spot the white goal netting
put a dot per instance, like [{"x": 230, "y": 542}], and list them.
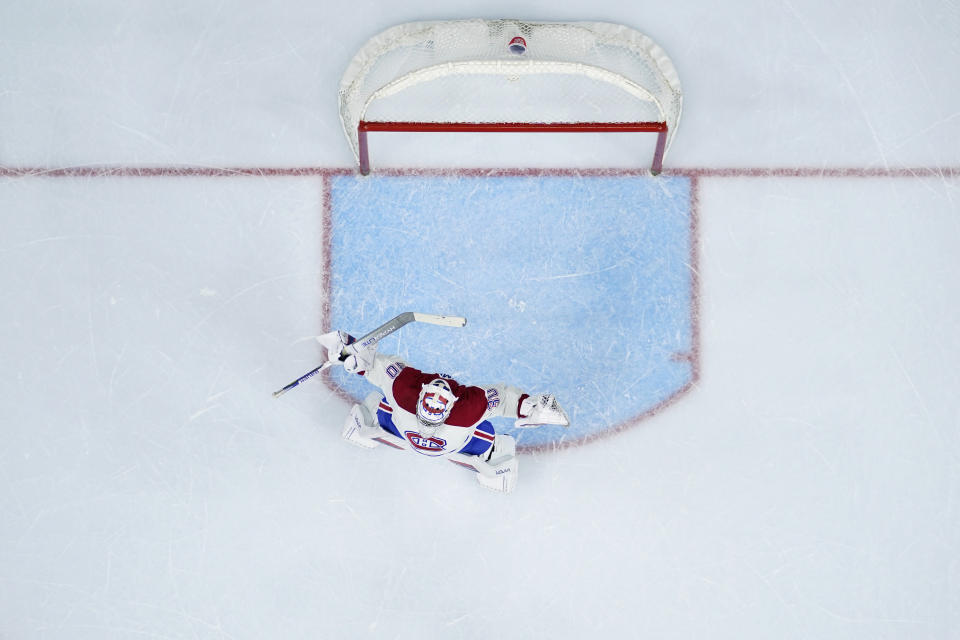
[{"x": 509, "y": 71}]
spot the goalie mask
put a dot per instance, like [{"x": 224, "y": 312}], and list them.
[{"x": 435, "y": 403}]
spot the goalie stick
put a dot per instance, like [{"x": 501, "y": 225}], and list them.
[{"x": 376, "y": 335}]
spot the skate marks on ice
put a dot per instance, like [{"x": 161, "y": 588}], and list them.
[{"x": 582, "y": 284}]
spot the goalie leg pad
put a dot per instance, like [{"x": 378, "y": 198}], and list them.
[
  {"x": 497, "y": 468},
  {"x": 502, "y": 461},
  {"x": 361, "y": 428}
]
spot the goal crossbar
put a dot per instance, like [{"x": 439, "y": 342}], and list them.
[{"x": 512, "y": 127}]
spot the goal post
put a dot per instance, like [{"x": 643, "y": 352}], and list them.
[{"x": 509, "y": 76}]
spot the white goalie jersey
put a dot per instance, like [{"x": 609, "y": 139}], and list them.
[{"x": 402, "y": 385}]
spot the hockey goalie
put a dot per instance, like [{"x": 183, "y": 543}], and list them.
[{"x": 434, "y": 415}]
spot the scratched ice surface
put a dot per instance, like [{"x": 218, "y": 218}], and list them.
[
  {"x": 565, "y": 300},
  {"x": 150, "y": 486}
]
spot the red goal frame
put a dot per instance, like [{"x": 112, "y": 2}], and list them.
[{"x": 364, "y": 126}]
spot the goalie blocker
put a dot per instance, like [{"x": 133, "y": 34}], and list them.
[{"x": 436, "y": 416}]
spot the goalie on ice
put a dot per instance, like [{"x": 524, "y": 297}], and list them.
[{"x": 434, "y": 415}]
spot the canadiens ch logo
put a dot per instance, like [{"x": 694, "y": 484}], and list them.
[{"x": 425, "y": 445}]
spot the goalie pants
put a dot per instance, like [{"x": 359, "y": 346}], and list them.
[{"x": 474, "y": 447}]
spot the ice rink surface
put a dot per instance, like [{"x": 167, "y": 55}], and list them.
[
  {"x": 552, "y": 271},
  {"x": 165, "y": 181}
]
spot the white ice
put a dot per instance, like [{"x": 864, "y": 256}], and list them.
[{"x": 150, "y": 486}]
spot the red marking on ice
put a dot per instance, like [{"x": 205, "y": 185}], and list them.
[{"x": 695, "y": 175}]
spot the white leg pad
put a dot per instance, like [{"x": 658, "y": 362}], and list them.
[
  {"x": 499, "y": 472},
  {"x": 361, "y": 427}
]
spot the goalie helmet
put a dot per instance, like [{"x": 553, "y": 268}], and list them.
[{"x": 435, "y": 403}]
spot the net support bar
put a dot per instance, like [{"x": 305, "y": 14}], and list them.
[{"x": 514, "y": 127}]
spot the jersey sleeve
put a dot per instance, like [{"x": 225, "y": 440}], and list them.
[
  {"x": 384, "y": 371},
  {"x": 503, "y": 400}
]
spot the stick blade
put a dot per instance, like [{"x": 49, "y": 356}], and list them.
[{"x": 446, "y": 321}]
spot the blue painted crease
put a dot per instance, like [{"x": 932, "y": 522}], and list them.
[{"x": 578, "y": 286}]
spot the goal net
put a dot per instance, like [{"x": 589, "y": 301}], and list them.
[{"x": 509, "y": 75}]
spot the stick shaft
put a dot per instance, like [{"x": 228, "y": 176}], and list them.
[
  {"x": 303, "y": 378},
  {"x": 379, "y": 333},
  {"x": 376, "y": 335}
]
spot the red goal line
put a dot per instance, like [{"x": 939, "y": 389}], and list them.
[{"x": 693, "y": 172}]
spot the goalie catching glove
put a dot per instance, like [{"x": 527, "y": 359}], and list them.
[
  {"x": 540, "y": 410},
  {"x": 339, "y": 351}
]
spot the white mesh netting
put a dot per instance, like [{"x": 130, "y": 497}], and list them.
[{"x": 464, "y": 71}]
